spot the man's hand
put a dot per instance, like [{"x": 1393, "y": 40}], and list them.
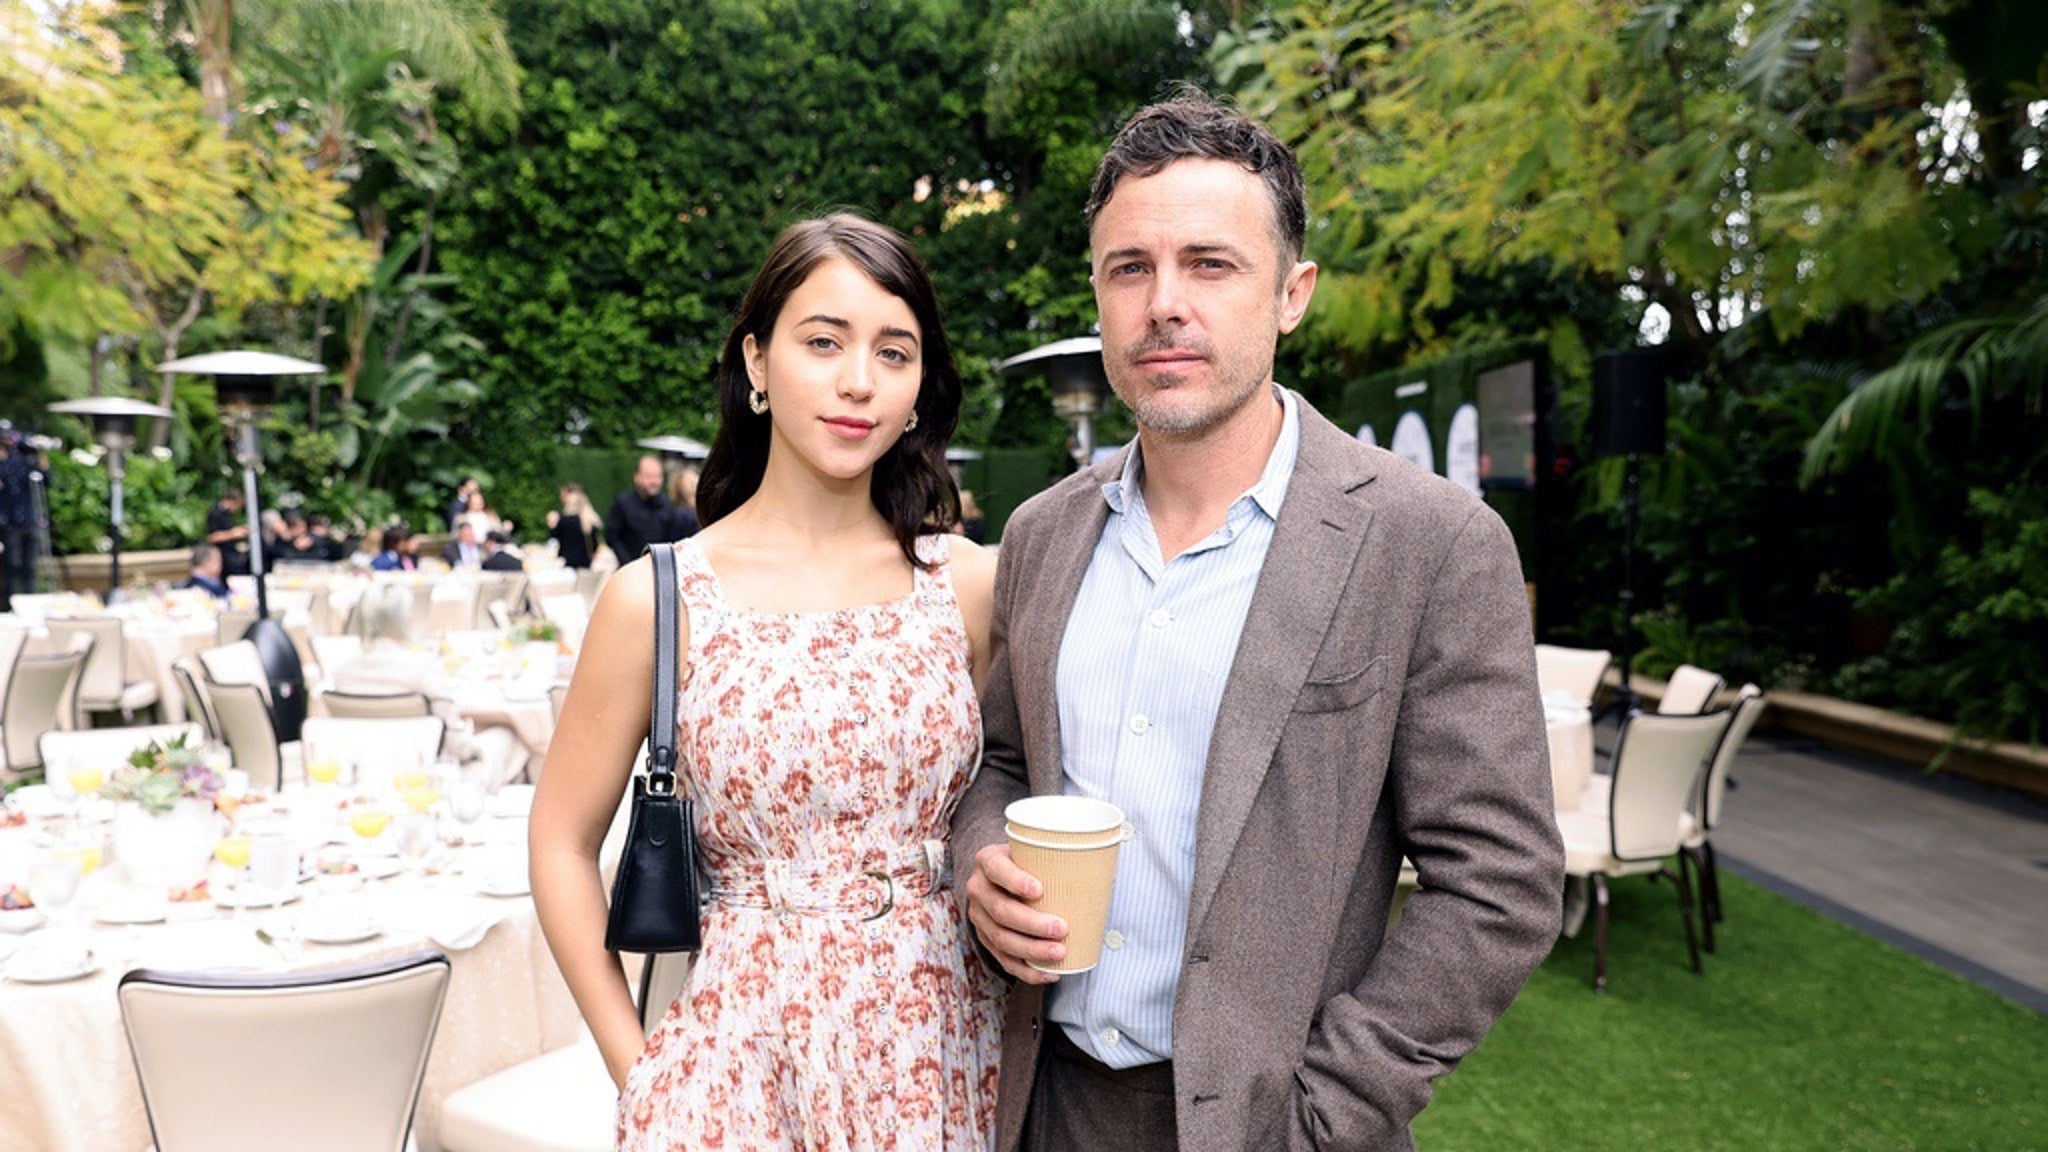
[{"x": 1008, "y": 927}]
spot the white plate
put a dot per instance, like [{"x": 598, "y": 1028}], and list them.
[
  {"x": 378, "y": 867},
  {"x": 37, "y": 801},
  {"x": 136, "y": 911},
  {"x": 23, "y": 968},
  {"x": 21, "y": 919},
  {"x": 253, "y": 897},
  {"x": 515, "y": 885},
  {"x": 341, "y": 931}
]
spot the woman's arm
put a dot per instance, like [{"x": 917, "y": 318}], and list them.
[
  {"x": 974, "y": 585},
  {"x": 589, "y": 762}
]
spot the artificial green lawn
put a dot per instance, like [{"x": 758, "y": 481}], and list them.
[{"x": 1803, "y": 1034}]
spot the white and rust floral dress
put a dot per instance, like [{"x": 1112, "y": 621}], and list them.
[{"x": 838, "y": 1004}]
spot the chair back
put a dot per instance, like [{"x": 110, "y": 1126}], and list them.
[
  {"x": 1658, "y": 761},
  {"x": 322, "y": 1061},
  {"x": 233, "y": 624},
  {"x": 386, "y": 740},
  {"x": 589, "y": 582},
  {"x": 197, "y": 708},
  {"x": 1748, "y": 707},
  {"x": 236, "y": 663},
  {"x": 106, "y": 748},
  {"x": 493, "y": 588},
  {"x": 331, "y": 652},
  {"x": 250, "y": 732},
  {"x": 662, "y": 976},
  {"x": 379, "y": 706},
  {"x": 1576, "y": 672},
  {"x": 41, "y": 695},
  {"x": 558, "y": 695},
  {"x": 569, "y": 613},
  {"x": 1690, "y": 691},
  {"x": 105, "y": 674},
  {"x": 501, "y": 616}
]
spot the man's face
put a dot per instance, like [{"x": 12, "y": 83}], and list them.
[
  {"x": 1191, "y": 292},
  {"x": 465, "y": 533},
  {"x": 647, "y": 479}
]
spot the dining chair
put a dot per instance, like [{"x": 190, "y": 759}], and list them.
[
  {"x": 103, "y": 684},
  {"x": 500, "y": 614},
  {"x": 493, "y": 588},
  {"x": 332, "y": 652},
  {"x": 236, "y": 663},
  {"x": 1690, "y": 691},
  {"x": 40, "y": 696},
  {"x": 359, "y": 739},
  {"x": 589, "y": 582},
  {"x": 1704, "y": 813},
  {"x": 233, "y": 624},
  {"x": 250, "y": 732},
  {"x": 1574, "y": 672},
  {"x": 318, "y": 1061},
  {"x": 560, "y": 1101},
  {"x": 1658, "y": 762},
  {"x": 376, "y": 705},
  {"x": 185, "y": 673},
  {"x": 106, "y": 748},
  {"x": 558, "y": 695}
]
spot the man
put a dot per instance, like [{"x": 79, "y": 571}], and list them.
[
  {"x": 206, "y": 572},
  {"x": 401, "y": 551},
  {"x": 460, "y": 502},
  {"x": 1291, "y": 660},
  {"x": 229, "y": 532},
  {"x": 19, "y": 538},
  {"x": 643, "y": 516},
  {"x": 463, "y": 552},
  {"x": 499, "y": 556}
]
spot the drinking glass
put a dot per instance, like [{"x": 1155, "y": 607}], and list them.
[
  {"x": 274, "y": 865},
  {"x": 53, "y": 879},
  {"x": 232, "y": 850},
  {"x": 369, "y": 819}
]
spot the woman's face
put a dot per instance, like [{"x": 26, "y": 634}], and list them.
[
  {"x": 841, "y": 370},
  {"x": 476, "y": 501}
]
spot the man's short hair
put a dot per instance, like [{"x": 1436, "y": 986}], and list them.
[
  {"x": 204, "y": 554},
  {"x": 1192, "y": 125},
  {"x": 498, "y": 537}
]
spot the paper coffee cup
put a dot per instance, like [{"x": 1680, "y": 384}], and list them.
[{"x": 1070, "y": 844}]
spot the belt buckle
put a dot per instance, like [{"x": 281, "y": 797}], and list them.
[{"x": 889, "y": 894}]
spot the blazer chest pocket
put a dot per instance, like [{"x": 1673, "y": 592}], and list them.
[{"x": 1341, "y": 692}]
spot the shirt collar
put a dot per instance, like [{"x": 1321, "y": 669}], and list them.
[{"x": 1122, "y": 492}]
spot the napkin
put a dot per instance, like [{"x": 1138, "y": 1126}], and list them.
[{"x": 454, "y": 924}]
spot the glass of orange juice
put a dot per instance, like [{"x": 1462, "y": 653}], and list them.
[
  {"x": 232, "y": 850},
  {"x": 369, "y": 820}
]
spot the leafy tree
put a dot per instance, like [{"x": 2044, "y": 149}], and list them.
[{"x": 123, "y": 208}]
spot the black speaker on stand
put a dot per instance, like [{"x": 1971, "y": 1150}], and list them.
[{"x": 1628, "y": 421}]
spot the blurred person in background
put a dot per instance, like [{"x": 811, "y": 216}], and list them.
[
  {"x": 642, "y": 515},
  {"x": 206, "y": 572},
  {"x": 575, "y": 527},
  {"x": 228, "y": 530},
  {"x": 20, "y": 537}
]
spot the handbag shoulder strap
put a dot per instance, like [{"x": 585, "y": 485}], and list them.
[{"x": 661, "y": 732}]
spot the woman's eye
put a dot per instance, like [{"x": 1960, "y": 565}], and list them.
[{"x": 822, "y": 343}]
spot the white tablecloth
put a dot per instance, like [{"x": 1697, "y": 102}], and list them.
[{"x": 69, "y": 1080}]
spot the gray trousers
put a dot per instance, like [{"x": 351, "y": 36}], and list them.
[{"x": 1079, "y": 1104}]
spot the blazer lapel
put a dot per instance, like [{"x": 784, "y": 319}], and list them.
[
  {"x": 1035, "y": 656},
  {"x": 1315, "y": 543}
]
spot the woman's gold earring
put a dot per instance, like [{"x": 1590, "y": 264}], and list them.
[
  {"x": 758, "y": 401},
  {"x": 912, "y": 426}
]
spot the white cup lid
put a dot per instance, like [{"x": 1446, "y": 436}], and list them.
[{"x": 1065, "y": 814}]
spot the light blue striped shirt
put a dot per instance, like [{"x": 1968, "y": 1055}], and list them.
[{"x": 1141, "y": 673}]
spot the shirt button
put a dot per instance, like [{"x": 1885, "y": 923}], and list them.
[
  {"x": 1111, "y": 1037},
  {"x": 1161, "y": 618},
  {"x": 1113, "y": 939},
  {"x": 1140, "y": 725}
]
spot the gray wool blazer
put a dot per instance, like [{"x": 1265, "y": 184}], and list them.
[{"x": 1382, "y": 703}]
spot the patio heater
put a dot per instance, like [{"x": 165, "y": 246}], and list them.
[
  {"x": 1628, "y": 421},
  {"x": 113, "y": 426},
  {"x": 245, "y": 386},
  {"x": 1079, "y": 386}
]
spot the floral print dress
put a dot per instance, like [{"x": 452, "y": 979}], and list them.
[{"x": 838, "y": 1004}]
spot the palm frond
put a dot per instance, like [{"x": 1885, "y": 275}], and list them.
[{"x": 1775, "y": 47}]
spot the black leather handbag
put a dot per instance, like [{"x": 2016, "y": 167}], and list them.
[{"x": 654, "y": 893}]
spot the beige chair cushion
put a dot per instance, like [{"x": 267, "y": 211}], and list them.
[{"x": 563, "y": 1101}]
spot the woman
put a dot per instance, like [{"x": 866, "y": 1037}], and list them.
[
  {"x": 827, "y": 726},
  {"x": 389, "y": 665},
  {"x": 575, "y": 528},
  {"x": 477, "y": 512}
]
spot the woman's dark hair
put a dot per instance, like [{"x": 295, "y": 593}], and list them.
[{"x": 912, "y": 487}]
